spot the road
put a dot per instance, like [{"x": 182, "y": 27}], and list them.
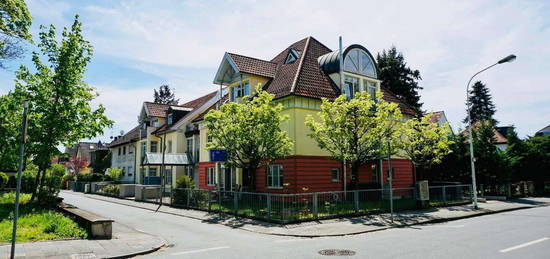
[{"x": 517, "y": 234}]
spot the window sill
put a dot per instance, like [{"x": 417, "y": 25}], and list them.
[
  {"x": 211, "y": 185},
  {"x": 275, "y": 188},
  {"x": 335, "y": 181}
]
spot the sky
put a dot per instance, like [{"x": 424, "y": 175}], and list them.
[{"x": 140, "y": 45}]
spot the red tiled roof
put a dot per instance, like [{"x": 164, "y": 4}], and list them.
[
  {"x": 304, "y": 76},
  {"x": 435, "y": 116},
  {"x": 213, "y": 106},
  {"x": 254, "y": 66},
  {"x": 199, "y": 101},
  {"x": 130, "y": 136},
  {"x": 157, "y": 109}
]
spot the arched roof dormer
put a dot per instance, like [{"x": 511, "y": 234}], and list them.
[{"x": 357, "y": 60}]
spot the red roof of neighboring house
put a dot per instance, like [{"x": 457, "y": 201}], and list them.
[
  {"x": 199, "y": 101},
  {"x": 201, "y": 116},
  {"x": 130, "y": 136},
  {"x": 156, "y": 109},
  {"x": 436, "y": 116}
]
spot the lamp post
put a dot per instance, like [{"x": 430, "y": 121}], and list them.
[{"x": 507, "y": 59}]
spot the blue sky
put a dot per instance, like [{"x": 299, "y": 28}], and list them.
[{"x": 139, "y": 45}]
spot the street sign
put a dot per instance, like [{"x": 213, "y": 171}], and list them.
[{"x": 218, "y": 155}]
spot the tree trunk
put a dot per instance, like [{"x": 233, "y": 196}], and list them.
[
  {"x": 252, "y": 178},
  {"x": 354, "y": 173},
  {"x": 35, "y": 185}
]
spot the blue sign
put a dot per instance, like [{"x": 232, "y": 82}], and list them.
[{"x": 218, "y": 155}]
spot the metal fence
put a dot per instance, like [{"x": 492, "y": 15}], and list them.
[
  {"x": 286, "y": 208},
  {"x": 509, "y": 190}
]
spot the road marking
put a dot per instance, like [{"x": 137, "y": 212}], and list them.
[
  {"x": 292, "y": 240},
  {"x": 201, "y": 250},
  {"x": 524, "y": 245},
  {"x": 451, "y": 226}
]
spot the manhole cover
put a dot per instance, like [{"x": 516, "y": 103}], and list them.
[{"x": 336, "y": 252}]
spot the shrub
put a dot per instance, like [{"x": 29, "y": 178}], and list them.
[
  {"x": 3, "y": 180},
  {"x": 90, "y": 177},
  {"x": 185, "y": 182},
  {"x": 115, "y": 173},
  {"x": 112, "y": 189},
  {"x": 65, "y": 180}
]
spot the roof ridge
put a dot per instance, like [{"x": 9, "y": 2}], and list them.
[
  {"x": 252, "y": 58},
  {"x": 302, "y": 57}
]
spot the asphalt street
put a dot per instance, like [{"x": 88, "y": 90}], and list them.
[{"x": 517, "y": 234}]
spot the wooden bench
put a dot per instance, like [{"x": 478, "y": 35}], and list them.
[{"x": 98, "y": 227}]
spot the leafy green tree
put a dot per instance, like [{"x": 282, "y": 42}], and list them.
[
  {"x": 59, "y": 100},
  {"x": 250, "y": 132},
  {"x": 482, "y": 107},
  {"x": 10, "y": 125},
  {"x": 165, "y": 95},
  {"x": 15, "y": 21},
  {"x": 425, "y": 143},
  {"x": 536, "y": 166},
  {"x": 454, "y": 166},
  {"x": 400, "y": 79},
  {"x": 356, "y": 131}
]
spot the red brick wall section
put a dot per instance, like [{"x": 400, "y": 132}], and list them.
[
  {"x": 203, "y": 167},
  {"x": 314, "y": 174},
  {"x": 402, "y": 173}
]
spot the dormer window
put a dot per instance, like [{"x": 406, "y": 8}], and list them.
[
  {"x": 241, "y": 90},
  {"x": 170, "y": 119},
  {"x": 292, "y": 56},
  {"x": 155, "y": 123}
]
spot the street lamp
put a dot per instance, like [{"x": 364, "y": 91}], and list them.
[{"x": 507, "y": 59}]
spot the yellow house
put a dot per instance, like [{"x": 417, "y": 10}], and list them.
[{"x": 299, "y": 77}]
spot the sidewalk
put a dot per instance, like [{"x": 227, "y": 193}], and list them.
[
  {"x": 126, "y": 242},
  {"x": 341, "y": 226}
]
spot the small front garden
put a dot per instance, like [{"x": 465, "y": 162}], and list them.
[{"x": 36, "y": 221}]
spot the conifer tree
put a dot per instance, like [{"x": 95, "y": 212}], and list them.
[
  {"x": 165, "y": 95},
  {"x": 400, "y": 79},
  {"x": 482, "y": 107}
]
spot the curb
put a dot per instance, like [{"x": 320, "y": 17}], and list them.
[
  {"x": 436, "y": 220},
  {"x": 143, "y": 252}
]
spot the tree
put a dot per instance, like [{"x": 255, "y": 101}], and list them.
[
  {"x": 250, "y": 132},
  {"x": 356, "y": 131},
  {"x": 59, "y": 99},
  {"x": 76, "y": 164},
  {"x": 481, "y": 104},
  {"x": 492, "y": 166},
  {"x": 15, "y": 21},
  {"x": 165, "y": 95},
  {"x": 425, "y": 143},
  {"x": 400, "y": 79},
  {"x": 10, "y": 125},
  {"x": 101, "y": 161}
]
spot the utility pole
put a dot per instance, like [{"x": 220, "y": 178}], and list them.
[{"x": 19, "y": 169}]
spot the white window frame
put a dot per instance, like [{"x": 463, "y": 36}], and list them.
[
  {"x": 274, "y": 177},
  {"x": 210, "y": 176},
  {"x": 337, "y": 179},
  {"x": 241, "y": 90}
]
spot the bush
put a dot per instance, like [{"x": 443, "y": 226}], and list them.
[
  {"x": 110, "y": 189},
  {"x": 27, "y": 179},
  {"x": 3, "y": 180},
  {"x": 66, "y": 179},
  {"x": 115, "y": 173},
  {"x": 90, "y": 177},
  {"x": 185, "y": 182}
]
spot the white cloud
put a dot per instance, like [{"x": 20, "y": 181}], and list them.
[{"x": 447, "y": 41}]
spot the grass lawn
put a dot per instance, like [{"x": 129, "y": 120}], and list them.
[{"x": 35, "y": 222}]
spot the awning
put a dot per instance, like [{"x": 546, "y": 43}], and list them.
[{"x": 169, "y": 159}]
